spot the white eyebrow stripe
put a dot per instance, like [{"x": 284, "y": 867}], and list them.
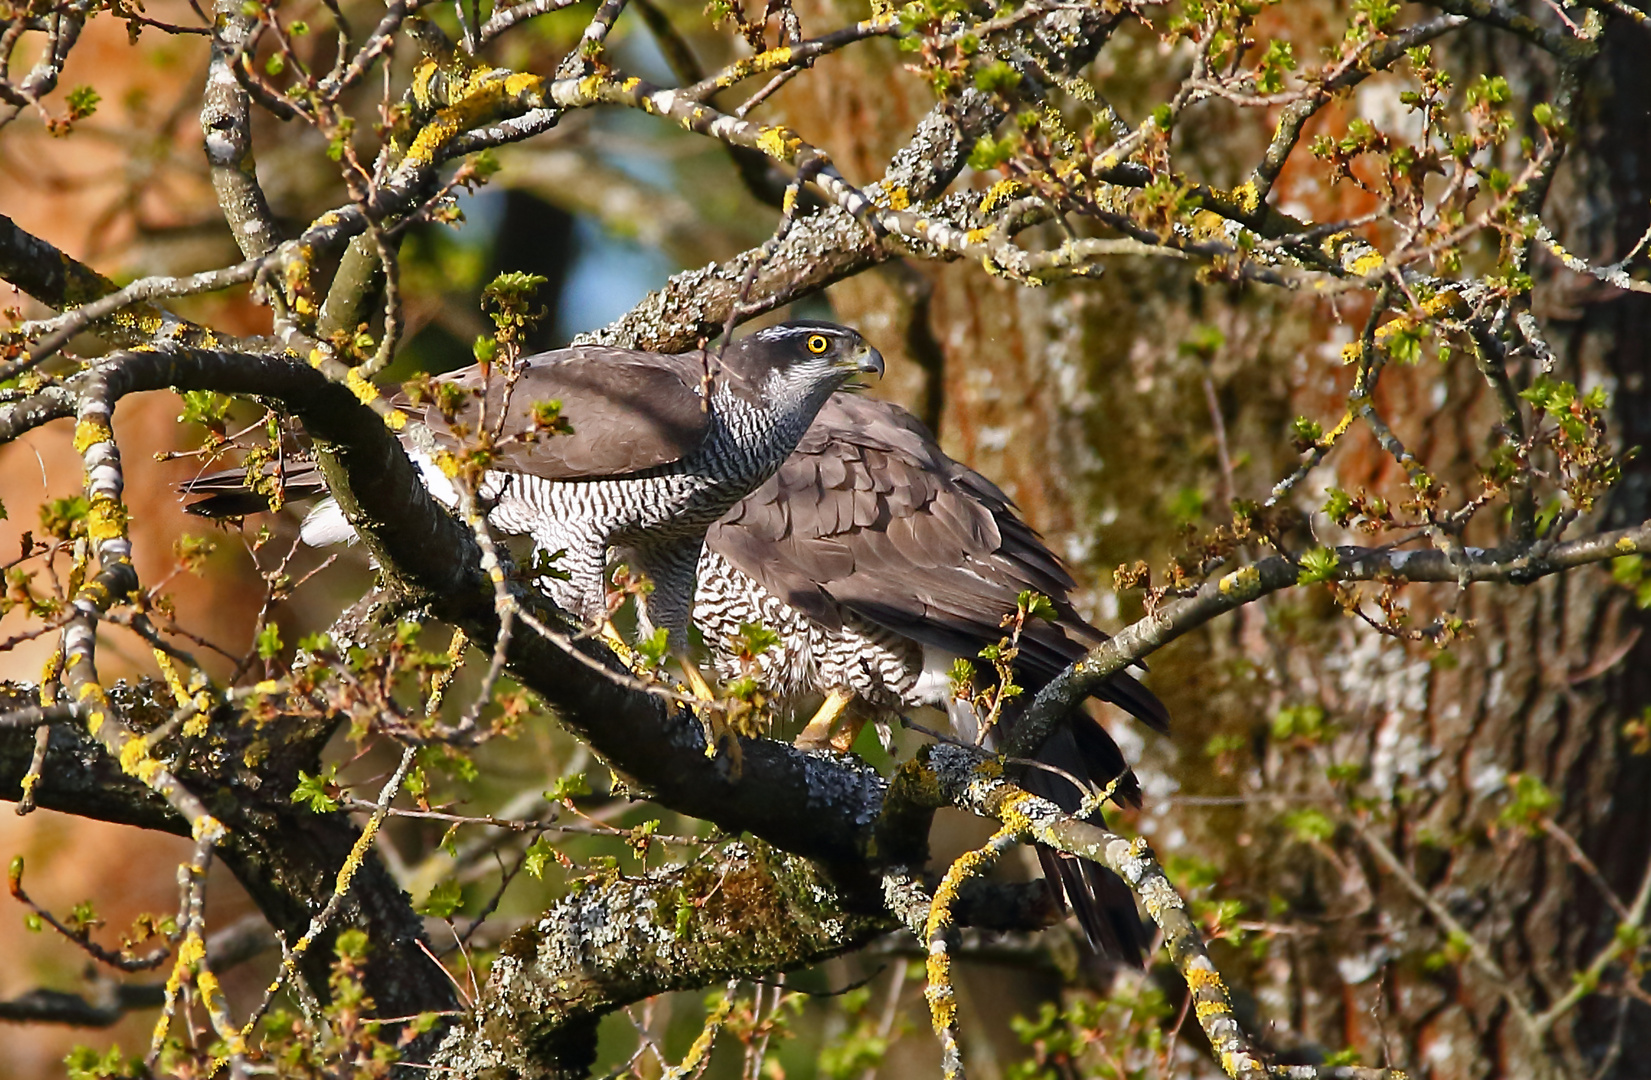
[{"x": 779, "y": 333}]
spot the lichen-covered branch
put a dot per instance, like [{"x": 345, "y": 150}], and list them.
[
  {"x": 979, "y": 787},
  {"x": 748, "y": 912},
  {"x": 1246, "y": 585}
]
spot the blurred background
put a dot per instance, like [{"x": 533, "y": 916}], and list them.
[{"x": 1118, "y": 413}]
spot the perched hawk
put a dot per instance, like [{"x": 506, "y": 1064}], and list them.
[
  {"x": 879, "y": 561},
  {"x": 660, "y": 447}
]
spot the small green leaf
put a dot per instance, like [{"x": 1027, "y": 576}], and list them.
[
  {"x": 269, "y": 641},
  {"x": 995, "y": 76},
  {"x": 316, "y": 791},
  {"x": 82, "y": 102},
  {"x": 1305, "y": 434},
  {"x": 1531, "y": 803},
  {"x": 538, "y": 856},
  {"x": 1317, "y": 565},
  {"x": 1338, "y": 506},
  {"x": 1037, "y": 606},
  {"x": 756, "y": 639},
  {"x": 655, "y": 647},
  {"x": 444, "y": 900},
  {"x": 65, "y": 518},
  {"x": 568, "y": 787},
  {"x": 1299, "y": 722},
  {"x": 315, "y": 643}
]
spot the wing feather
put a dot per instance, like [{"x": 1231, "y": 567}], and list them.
[
  {"x": 630, "y": 412},
  {"x": 884, "y": 524}
]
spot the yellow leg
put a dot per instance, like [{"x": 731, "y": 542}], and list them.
[
  {"x": 617, "y": 643},
  {"x": 817, "y": 735},
  {"x": 696, "y": 678},
  {"x": 717, "y": 732},
  {"x": 849, "y": 730}
]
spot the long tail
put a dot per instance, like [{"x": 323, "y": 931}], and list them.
[
  {"x": 1103, "y": 904},
  {"x": 226, "y": 493}
]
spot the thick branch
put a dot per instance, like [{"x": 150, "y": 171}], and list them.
[
  {"x": 749, "y": 913},
  {"x": 286, "y": 857}
]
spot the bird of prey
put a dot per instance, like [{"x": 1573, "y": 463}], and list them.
[
  {"x": 879, "y": 561},
  {"x": 660, "y": 446}
]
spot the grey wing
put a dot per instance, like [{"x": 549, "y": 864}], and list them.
[
  {"x": 629, "y": 411},
  {"x": 870, "y": 514}
]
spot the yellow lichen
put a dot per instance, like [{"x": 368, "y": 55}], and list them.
[
  {"x": 360, "y": 386},
  {"x": 424, "y": 76},
  {"x": 778, "y": 142},
  {"x": 1334, "y": 241},
  {"x": 1207, "y": 1009},
  {"x": 899, "y": 198},
  {"x": 999, "y": 193},
  {"x": 1204, "y": 978},
  {"x": 1366, "y": 264},
  {"x": 942, "y": 1001},
  {"x": 91, "y": 431},
  {"x": 191, "y": 951},
  {"x": 1244, "y": 579},
  {"x": 135, "y": 761},
  {"x": 174, "y": 679},
  {"x": 521, "y": 84},
  {"x": 1626, "y": 546}
]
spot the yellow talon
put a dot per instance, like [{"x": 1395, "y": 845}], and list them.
[
  {"x": 617, "y": 643},
  {"x": 817, "y": 735}
]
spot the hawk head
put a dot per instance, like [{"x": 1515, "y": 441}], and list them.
[{"x": 799, "y": 362}]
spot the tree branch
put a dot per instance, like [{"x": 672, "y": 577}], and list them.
[{"x": 1157, "y": 629}]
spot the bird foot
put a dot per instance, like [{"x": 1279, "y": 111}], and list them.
[
  {"x": 719, "y": 737},
  {"x": 820, "y": 732}
]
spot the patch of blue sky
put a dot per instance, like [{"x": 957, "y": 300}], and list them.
[{"x": 608, "y": 277}]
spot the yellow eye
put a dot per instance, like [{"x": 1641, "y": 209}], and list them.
[{"x": 818, "y": 344}]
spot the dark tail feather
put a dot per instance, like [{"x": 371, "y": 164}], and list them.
[
  {"x": 1095, "y": 758},
  {"x": 1104, "y": 905},
  {"x": 226, "y": 494},
  {"x": 1102, "y": 902},
  {"x": 1123, "y": 691}
]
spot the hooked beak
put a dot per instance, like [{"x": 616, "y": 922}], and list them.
[{"x": 868, "y": 361}]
